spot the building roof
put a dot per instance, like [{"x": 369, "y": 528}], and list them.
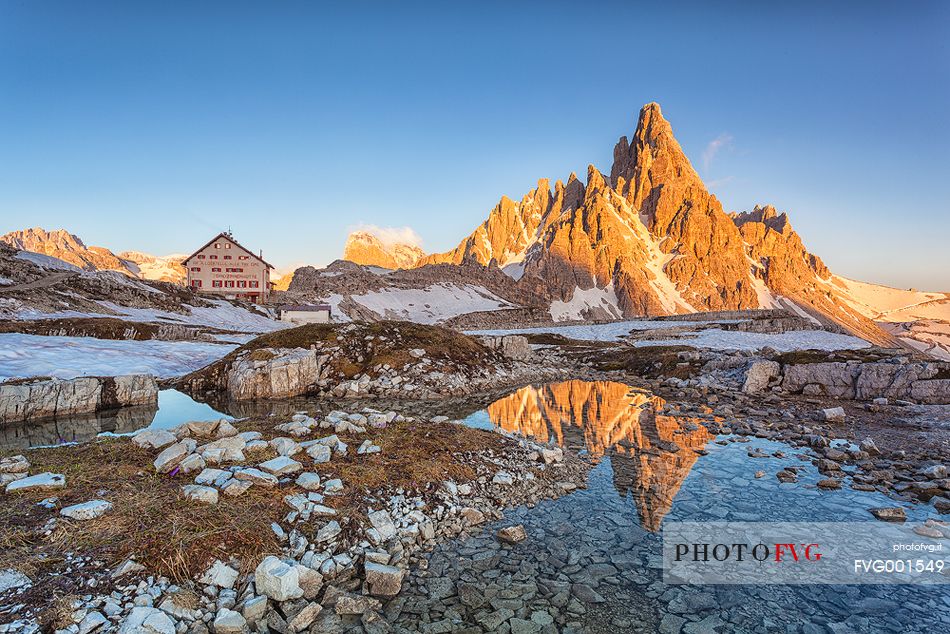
[
  {"x": 227, "y": 236},
  {"x": 305, "y": 307}
]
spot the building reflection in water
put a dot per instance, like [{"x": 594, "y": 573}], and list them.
[{"x": 651, "y": 452}]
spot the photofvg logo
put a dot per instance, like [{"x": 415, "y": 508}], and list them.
[
  {"x": 741, "y": 552},
  {"x": 803, "y": 553}
]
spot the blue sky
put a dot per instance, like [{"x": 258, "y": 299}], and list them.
[{"x": 150, "y": 126}]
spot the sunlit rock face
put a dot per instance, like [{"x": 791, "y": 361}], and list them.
[
  {"x": 651, "y": 453},
  {"x": 364, "y": 248}
]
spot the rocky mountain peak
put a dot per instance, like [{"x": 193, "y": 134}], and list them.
[
  {"x": 364, "y": 247},
  {"x": 70, "y": 248},
  {"x": 24, "y": 239}
]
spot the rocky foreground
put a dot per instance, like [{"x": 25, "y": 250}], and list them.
[{"x": 307, "y": 524}]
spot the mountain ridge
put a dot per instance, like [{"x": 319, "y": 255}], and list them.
[{"x": 70, "y": 248}]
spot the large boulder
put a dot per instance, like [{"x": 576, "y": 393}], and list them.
[
  {"x": 827, "y": 379},
  {"x": 759, "y": 374},
  {"x": 511, "y": 346},
  {"x": 273, "y": 373},
  {"x": 26, "y": 400},
  {"x": 919, "y": 382}
]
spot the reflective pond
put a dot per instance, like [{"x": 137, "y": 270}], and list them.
[
  {"x": 173, "y": 408},
  {"x": 592, "y": 560}
]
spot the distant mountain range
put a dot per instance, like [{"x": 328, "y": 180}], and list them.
[{"x": 70, "y": 248}]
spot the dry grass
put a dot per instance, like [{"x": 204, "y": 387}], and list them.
[
  {"x": 59, "y": 613},
  {"x": 822, "y": 356},
  {"x": 647, "y": 361},
  {"x": 175, "y": 537},
  {"x": 413, "y": 456},
  {"x": 149, "y": 519},
  {"x": 98, "y": 327}
]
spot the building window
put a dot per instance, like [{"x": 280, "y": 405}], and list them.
[
  {"x": 254, "y": 284},
  {"x": 196, "y": 283},
  {"x": 215, "y": 269},
  {"x": 216, "y": 283},
  {"x": 201, "y": 257},
  {"x": 227, "y": 245},
  {"x": 217, "y": 246},
  {"x": 196, "y": 268},
  {"x": 242, "y": 284},
  {"x": 234, "y": 270},
  {"x": 227, "y": 257},
  {"x": 212, "y": 257},
  {"x": 229, "y": 284},
  {"x": 243, "y": 257}
]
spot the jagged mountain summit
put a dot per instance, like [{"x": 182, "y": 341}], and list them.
[
  {"x": 69, "y": 248},
  {"x": 650, "y": 239},
  {"x": 362, "y": 247}
]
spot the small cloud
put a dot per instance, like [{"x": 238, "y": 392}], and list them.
[
  {"x": 724, "y": 140},
  {"x": 392, "y": 235}
]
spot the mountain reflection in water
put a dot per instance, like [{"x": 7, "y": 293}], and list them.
[{"x": 651, "y": 452}]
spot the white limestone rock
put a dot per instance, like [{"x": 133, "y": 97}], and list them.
[
  {"x": 202, "y": 494},
  {"x": 256, "y": 477},
  {"x": 382, "y": 580},
  {"x": 309, "y": 481},
  {"x": 87, "y": 510},
  {"x": 219, "y": 574},
  {"x": 281, "y": 465},
  {"x": 230, "y": 622},
  {"x": 38, "y": 482},
  {"x": 145, "y": 620},
  {"x": 14, "y": 465},
  {"x": 278, "y": 579},
  {"x": 382, "y": 521},
  {"x": 154, "y": 438},
  {"x": 173, "y": 455}
]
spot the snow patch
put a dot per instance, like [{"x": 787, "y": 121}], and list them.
[
  {"x": 514, "y": 270},
  {"x": 716, "y": 339},
  {"x": 46, "y": 261},
  {"x": 431, "y": 304},
  {"x": 583, "y": 302},
  {"x": 68, "y": 357},
  {"x": 764, "y": 294},
  {"x": 221, "y": 314}
]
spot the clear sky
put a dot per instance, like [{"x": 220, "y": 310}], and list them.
[{"x": 152, "y": 125}]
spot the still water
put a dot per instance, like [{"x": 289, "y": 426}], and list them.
[
  {"x": 173, "y": 408},
  {"x": 592, "y": 561}
]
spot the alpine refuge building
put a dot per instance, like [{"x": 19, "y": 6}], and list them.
[
  {"x": 304, "y": 313},
  {"x": 223, "y": 267}
]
